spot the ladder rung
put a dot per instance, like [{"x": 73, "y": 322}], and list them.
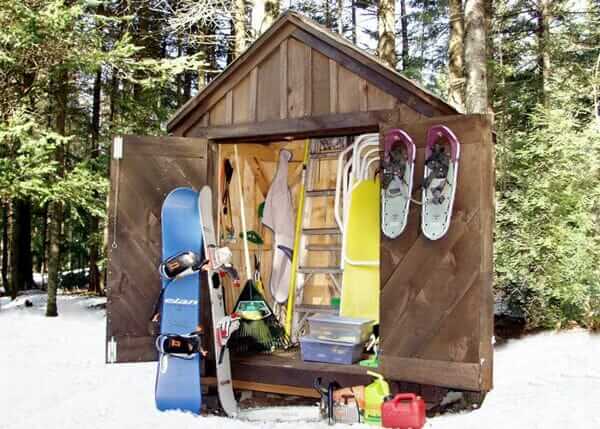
[
  {"x": 310, "y": 308},
  {"x": 323, "y": 247},
  {"x": 320, "y": 193},
  {"x": 321, "y": 231},
  {"x": 320, "y": 270}
]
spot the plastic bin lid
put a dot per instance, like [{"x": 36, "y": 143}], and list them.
[
  {"x": 328, "y": 318},
  {"x": 309, "y": 339}
]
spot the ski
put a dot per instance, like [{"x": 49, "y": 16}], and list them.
[
  {"x": 223, "y": 325},
  {"x": 396, "y": 189},
  {"x": 442, "y": 152},
  {"x": 180, "y": 341}
]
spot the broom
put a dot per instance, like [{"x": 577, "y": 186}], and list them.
[{"x": 259, "y": 331}]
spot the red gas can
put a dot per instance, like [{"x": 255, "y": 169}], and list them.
[{"x": 405, "y": 411}]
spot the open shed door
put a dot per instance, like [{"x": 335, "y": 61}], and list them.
[
  {"x": 143, "y": 171},
  {"x": 436, "y": 300}
]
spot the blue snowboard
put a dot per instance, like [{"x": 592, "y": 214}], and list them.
[{"x": 177, "y": 378}]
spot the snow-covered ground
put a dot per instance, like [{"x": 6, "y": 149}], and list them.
[{"x": 52, "y": 375}]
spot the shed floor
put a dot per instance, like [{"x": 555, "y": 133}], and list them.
[{"x": 288, "y": 369}]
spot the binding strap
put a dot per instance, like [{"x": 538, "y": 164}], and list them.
[
  {"x": 181, "y": 346},
  {"x": 181, "y": 265}
]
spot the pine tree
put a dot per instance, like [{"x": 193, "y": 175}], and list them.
[
  {"x": 456, "y": 84},
  {"x": 386, "y": 45},
  {"x": 476, "y": 97}
]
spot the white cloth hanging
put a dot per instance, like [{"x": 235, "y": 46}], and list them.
[{"x": 279, "y": 217}]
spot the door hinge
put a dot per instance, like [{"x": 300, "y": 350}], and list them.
[
  {"x": 111, "y": 350},
  {"x": 118, "y": 147}
]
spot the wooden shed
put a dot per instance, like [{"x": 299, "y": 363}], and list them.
[{"x": 299, "y": 81}]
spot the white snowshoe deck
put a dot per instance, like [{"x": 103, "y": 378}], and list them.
[
  {"x": 437, "y": 207},
  {"x": 395, "y": 199}
]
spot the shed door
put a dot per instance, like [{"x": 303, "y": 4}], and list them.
[
  {"x": 436, "y": 298},
  {"x": 148, "y": 169}
]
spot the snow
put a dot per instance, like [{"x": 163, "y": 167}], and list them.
[{"x": 52, "y": 375}]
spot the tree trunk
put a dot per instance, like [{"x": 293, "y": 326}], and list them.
[
  {"x": 5, "y": 246},
  {"x": 456, "y": 78},
  {"x": 490, "y": 49},
  {"x": 56, "y": 207},
  {"x": 340, "y": 8},
  {"x": 404, "y": 35},
  {"x": 44, "y": 253},
  {"x": 21, "y": 265},
  {"x": 476, "y": 97},
  {"x": 354, "y": 32},
  {"x": 264, "y": 13},
  {"x": 544, "y": 17},
  {"x": 94, "y": 222},
  {"x": 386, "y": 46},
  {"x": 239, "y": 27},
  {"x": 55, "y": 212}
]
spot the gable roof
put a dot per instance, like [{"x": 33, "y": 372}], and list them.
[{"x": 332, "y": 45}]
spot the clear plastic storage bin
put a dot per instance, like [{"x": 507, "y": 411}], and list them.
[
  {"x": 314, "y": 350},
  {"x": 336, "y": 328}
]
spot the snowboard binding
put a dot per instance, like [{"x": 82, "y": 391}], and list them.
[
  {"x": 220, "y": 260},
  {"x": 224, "y": 329},
  {"x": 397, "y": 181},
  {"x": 181, "y": 265},
  {"x": 442, "y": 153},
  {"x": 183, "y": 346}
]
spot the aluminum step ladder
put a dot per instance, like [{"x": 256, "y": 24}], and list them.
[{"x": 320, "y": 150}]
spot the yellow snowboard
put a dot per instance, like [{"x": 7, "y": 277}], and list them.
[{"x": 360, "y": 283}]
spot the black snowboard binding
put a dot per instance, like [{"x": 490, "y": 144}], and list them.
[
  {"x": 394, "y": 168},
  {"x": 184, "y": 346},
  {"x": 180, "y": 265},
  {"x": 438, "y": 163}
]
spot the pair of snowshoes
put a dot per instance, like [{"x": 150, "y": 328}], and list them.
[{"x": 442, "y": 150}]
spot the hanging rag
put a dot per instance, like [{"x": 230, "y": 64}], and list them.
[{"x": 279, "y": 218}]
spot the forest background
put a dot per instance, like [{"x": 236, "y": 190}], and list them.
[{"x": 73, "y": 74}]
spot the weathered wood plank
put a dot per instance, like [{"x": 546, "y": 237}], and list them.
[
  {"x": 488, "y": 210},
  {"x": 259, "y": 175},
  {"x": 255, "y": 386},
  {"x": 252, "y": 99},
  {"x": 269, "y": 94},
  {"x": 289, "y": 369},
  {"x": 378, "y": 99},
  {"x": 314, "y": 126},
  {"x": 349, "y": 91},
  {"x": 283, "y": 77},
  {"x": 333, "y": 87},
  {"x": 297, "y": 69},
  {"x": 364, "y": 95},
  {"x": 218, "y": 114},
  {"x": 439, "y": 373},
  {"x": 320, "y": 84},
  {"x": 229, "y": 107},
  {"x": 241, "y": 101},
  {"x": 308, "y": 82},
  {"x": 362, "y": 70}
]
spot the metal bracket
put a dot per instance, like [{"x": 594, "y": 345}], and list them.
[
  {"x": 111, "y": 350},
  {"x": 118, "y": 147}
]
